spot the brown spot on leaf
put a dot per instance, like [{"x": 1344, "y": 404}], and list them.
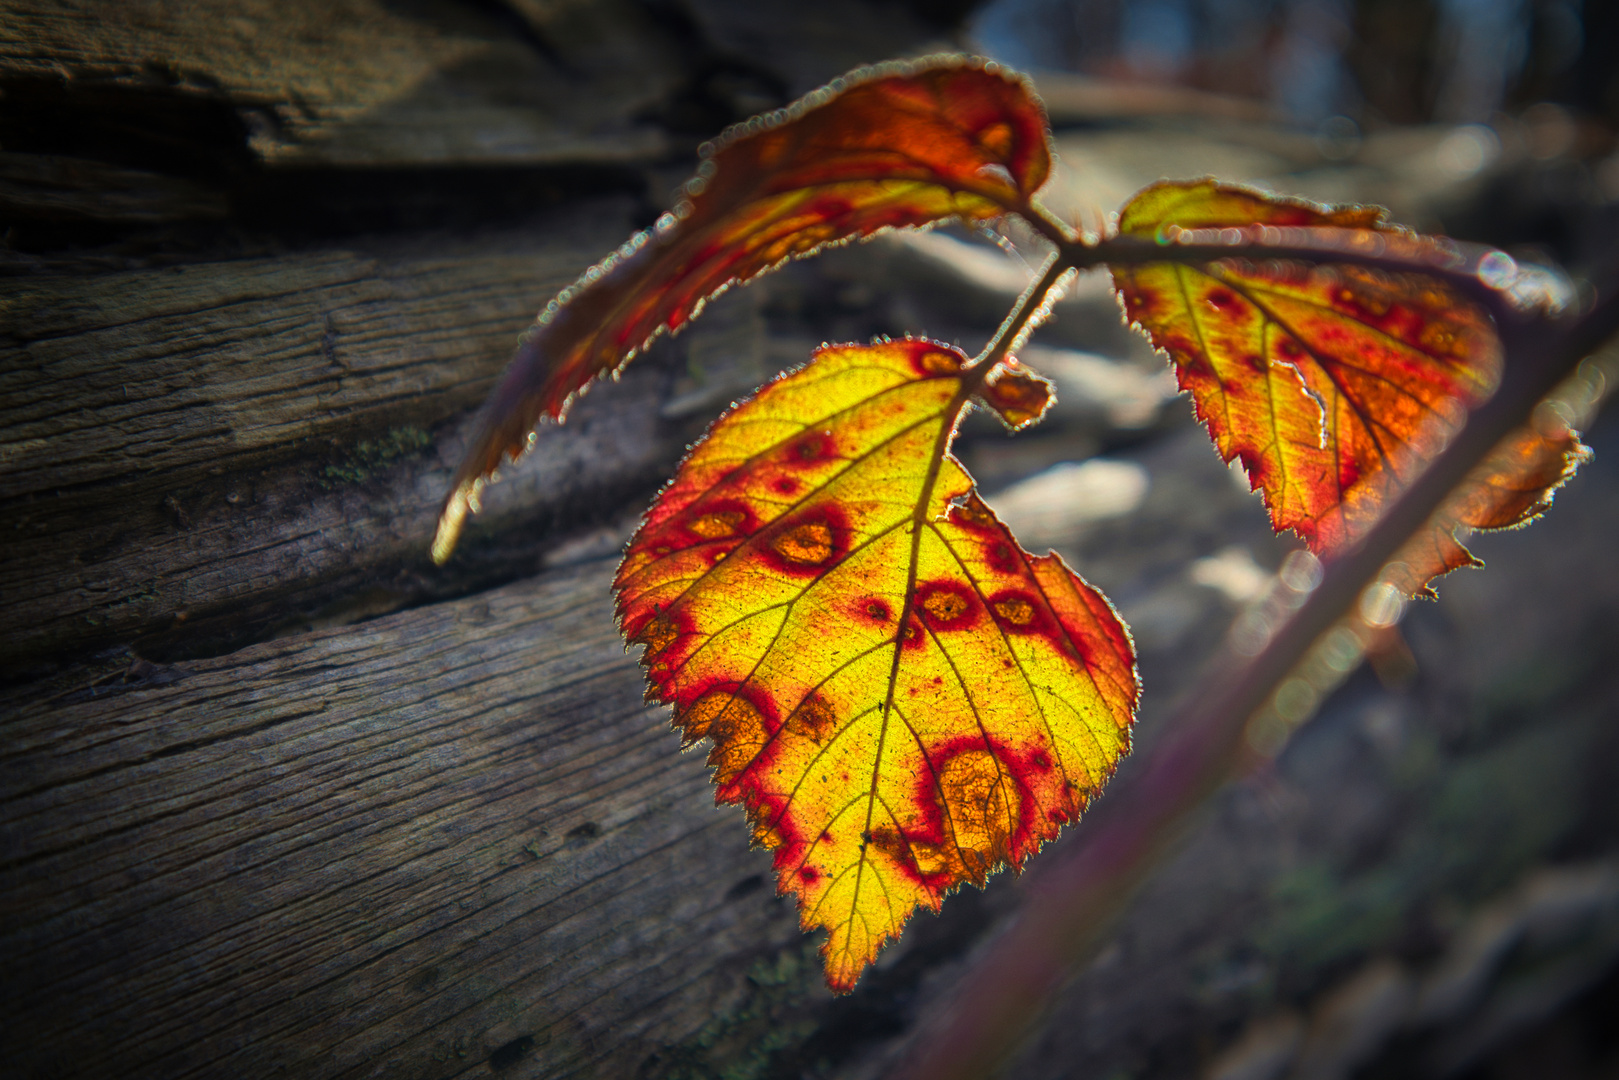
[
  {"x": 767, "y": 836},
  {"x": 656, "y": 635},
  {"x": 981, "y": 807},
  {"x": 732, "y": 724},
  {"x": 717, "y": 525},
  {"x": 813, "y": 719},
  {"x": 973, "y": 512},
  {"x": 1019, "y": 397},
  {"x": 937, "y": 362},
  {"x": 946, "y": 605},
  {"x": 1015, "y": 610},
  {"x": 807, "y": 545},
  {"x": 697, "y": 717}
]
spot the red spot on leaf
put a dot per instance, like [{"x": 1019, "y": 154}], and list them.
[
  {"x": 1019, "y": 612},
  {"x": 913, "y": 637},
  {"x": 812, "y": 448},
  {"x": 1001, "y": 555},
  {"x": 875, "y": 609}
]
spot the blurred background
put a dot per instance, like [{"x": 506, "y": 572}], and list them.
[
  {"x": 1528, "y": 86},
  {"x": 1373, "y": 62}
]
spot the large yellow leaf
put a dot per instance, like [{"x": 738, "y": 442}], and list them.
[{"x": 902, "y": 698}]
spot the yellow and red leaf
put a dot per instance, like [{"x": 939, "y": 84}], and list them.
[
  {"x": 889, "y": 147},
  {"x": 1333, "y": 384},
  {"x": 902, "y": 697}
]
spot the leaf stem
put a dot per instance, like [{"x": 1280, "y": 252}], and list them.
[
  {"x": 1087, "y": 881},
  {"x": 1030, "y": 310}
]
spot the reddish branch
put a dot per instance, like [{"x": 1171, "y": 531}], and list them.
[{"x": 1086, "y": 882}]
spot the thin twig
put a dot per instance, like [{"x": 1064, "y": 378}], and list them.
[{"x": 1031, "y": 307}]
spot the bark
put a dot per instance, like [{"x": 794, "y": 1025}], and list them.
[
  {"x": 220, "y": 447},
  {"x": 399, "y": 847}
]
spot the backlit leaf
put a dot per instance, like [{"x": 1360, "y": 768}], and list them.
[
  {"x": 901, "y": 697},
  {"x": 1333, "y": 384},
  {"x": 1511, "y": 487},
  {"x": 898, "y": 145}
]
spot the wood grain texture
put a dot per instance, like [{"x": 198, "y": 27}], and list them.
[
  {"x": 361, "y": 82},
  {"x": 387, "y": 850},
  {"x": 247, "y": 439},
  {"x": 53, "y": 188},
  {"x": 154, "y": 370}
]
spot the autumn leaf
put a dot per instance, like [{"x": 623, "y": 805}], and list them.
[
  {"x": 1333, "y": 384},
  {"x": 886, "y": 147},
  {"x": 901, "y": 697},
  {"x": 1508, "y": 489}
]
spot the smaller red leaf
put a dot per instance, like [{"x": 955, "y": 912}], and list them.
[
  {"x": 887, "y": 147},
  {"x": 1334, "y": 384},
  {"x": 1331, "y": 383},
  {"x": 1510, "y": 488}
]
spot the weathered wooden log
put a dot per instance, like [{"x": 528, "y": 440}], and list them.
[
  {"x": 208, "y": 451},
  {"x": 394, "y": 849},
  {"x": 360, "y": 82},
  {"x": 245, "y": 441},
  {"x": 453, "y": 839}
]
